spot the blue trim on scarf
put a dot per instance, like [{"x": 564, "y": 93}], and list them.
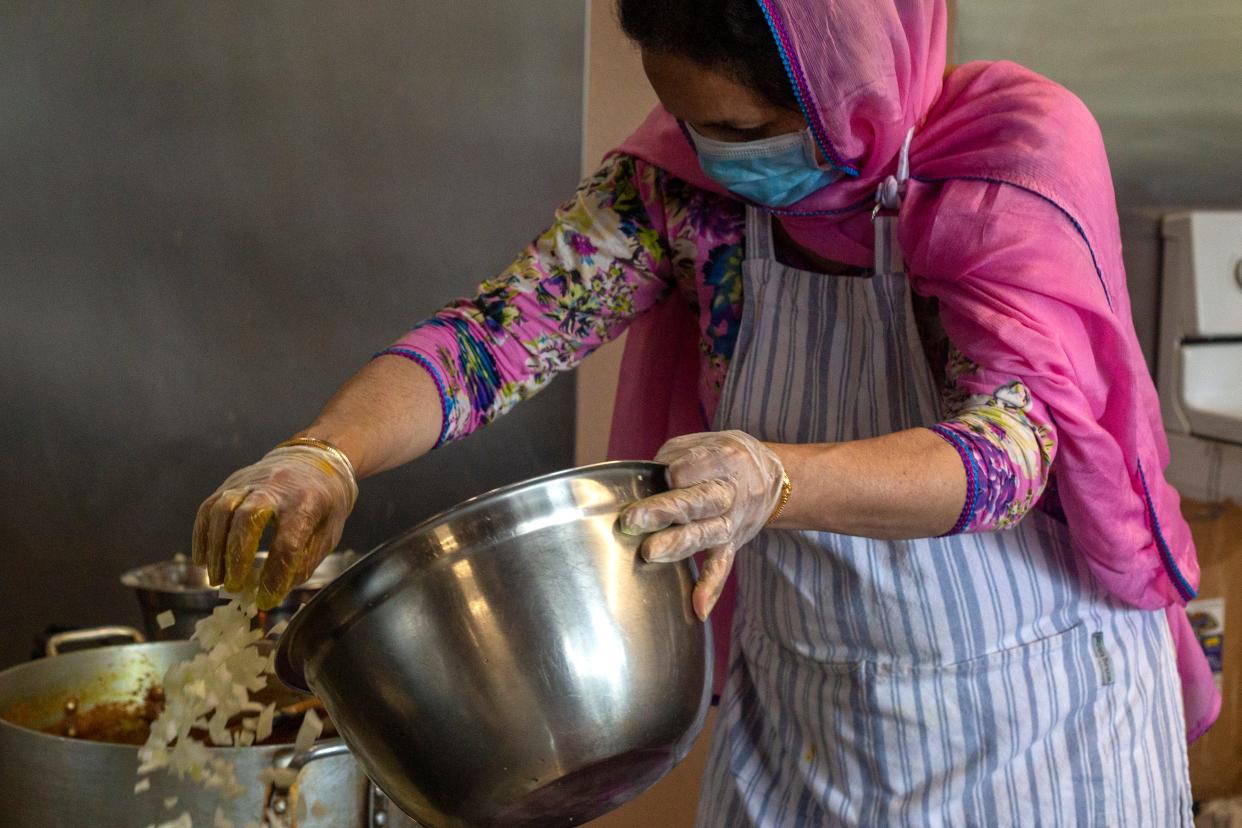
[
  {"x": 1175, "y": 575},
  {"x": 1081, "y": 232},
  {"x": 862, "y": 204},
  {"x": 792, "y": 70}
]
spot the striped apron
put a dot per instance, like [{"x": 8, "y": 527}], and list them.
[{"x": 974, "y": 680}]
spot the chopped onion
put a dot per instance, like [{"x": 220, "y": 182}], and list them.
[
  {"x": 278, "y": 627},
  {"x": 311, "y": 727},
  {"x": 165, "y": 619},
  {"x": 206, "y": 692},
  {"x": 208, "y": 689},
  {"x": 263, "y": 728},
  {"x": 218, "y": 728},
  {"x": 280, "y": 777},
  {"x": 170, "y": 803},
  {"x": 144, "y": 785},
  {"x": 183, "y": 821}
]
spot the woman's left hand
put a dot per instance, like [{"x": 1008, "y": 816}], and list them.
[{"x": 725, "y": 486}]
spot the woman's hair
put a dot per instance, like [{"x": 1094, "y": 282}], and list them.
[{"x": 726, "y": 36}]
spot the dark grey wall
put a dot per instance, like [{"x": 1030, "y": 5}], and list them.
[{"x": 210, "y": 215}]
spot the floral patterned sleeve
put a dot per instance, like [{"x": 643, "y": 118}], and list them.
[
  {"x": 1006, "y": 441},
  {"x": 604, "y": 260}
]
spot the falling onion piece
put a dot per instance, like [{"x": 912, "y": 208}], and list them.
[
  {"x": 165, "y": 619},
  {"x": 208, "y": 689},
  {"x": 170, "y": 803},
  {"x": 183, "y": 821},
  {"x": 263, "y": 728},
  {"x": 142, "y": 786},
  {"x": 312, "y": 727},
  {"x": 278, "y": 628},
  {"x": 280, "y": 777}
]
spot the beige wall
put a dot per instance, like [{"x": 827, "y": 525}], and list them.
[{"x": 617, "y": 99}]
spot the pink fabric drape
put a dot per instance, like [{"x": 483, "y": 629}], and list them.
[{"x": 1044, "y": 302}]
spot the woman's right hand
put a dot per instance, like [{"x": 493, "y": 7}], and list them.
[{"x": 307, "y": 490}]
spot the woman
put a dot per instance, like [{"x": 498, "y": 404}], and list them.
[{"x": 879, "y": 307}]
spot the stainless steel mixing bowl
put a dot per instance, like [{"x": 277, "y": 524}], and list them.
[{"x": 512, "y": 661}]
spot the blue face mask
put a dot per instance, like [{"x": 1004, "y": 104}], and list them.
[{"x": 775, "y": 172}]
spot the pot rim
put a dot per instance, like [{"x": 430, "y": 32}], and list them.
[
  {"x": 292, "y": 674},
  {"x": 87, "y": 744},
  {"x": 115, "y": 747},
  {"x": 135, "y": 578}
]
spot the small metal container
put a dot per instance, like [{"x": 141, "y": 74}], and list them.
[
  {"x": 182, "y": 587},
  {"x": 512, "y": 661}
]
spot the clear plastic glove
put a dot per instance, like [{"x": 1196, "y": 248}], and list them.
[
  {"x": 307, "y": 491},
  {"x": 725, "y": 486}
]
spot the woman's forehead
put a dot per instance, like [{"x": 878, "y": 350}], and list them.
[{"x": 699, "y": 95}]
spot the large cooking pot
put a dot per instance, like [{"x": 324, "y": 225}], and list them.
[
  {"x": 512, "y": 661},
  {"x": 181, "y": 587},
  {"x": 48, "y": 780}
]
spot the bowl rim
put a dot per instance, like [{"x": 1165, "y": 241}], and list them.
[{"x": 293, "y": 676}]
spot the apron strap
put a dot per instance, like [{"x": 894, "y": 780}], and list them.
[{"x": 759, "y": 245}]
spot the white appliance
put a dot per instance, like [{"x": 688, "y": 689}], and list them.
[{"x": 1199, "y": 361}]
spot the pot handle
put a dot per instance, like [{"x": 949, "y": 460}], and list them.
[
  {"x": 378, "y": 804},
  {"x": 324, "y": 750},
  {"x": 55, "y": 642},
  {"x": 278, "y": 796}
]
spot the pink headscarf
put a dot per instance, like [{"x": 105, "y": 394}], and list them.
[{"x": 1043, "y": 301}]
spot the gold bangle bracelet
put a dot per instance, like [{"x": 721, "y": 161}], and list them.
[
  {"x": 786, "y": 491},
  {"x": 324, "y": 445}
]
